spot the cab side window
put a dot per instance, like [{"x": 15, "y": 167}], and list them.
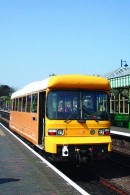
[{"x": 34, "y": 103}]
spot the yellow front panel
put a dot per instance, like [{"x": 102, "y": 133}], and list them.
[
  {"x": 76, "y": 133},
  {"x": 52, "y": 142},
  {"x": 74, "y": 128}
]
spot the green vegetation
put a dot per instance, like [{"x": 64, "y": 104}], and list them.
[{"x": 5, "y": 96}]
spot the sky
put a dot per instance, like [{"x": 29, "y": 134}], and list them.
[{"x": 43, "y": 37}]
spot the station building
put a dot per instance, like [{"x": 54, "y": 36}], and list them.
[{"x": 120, "y": 96}]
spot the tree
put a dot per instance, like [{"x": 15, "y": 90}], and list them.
[
  {"x": 5, "y": 90},
  {"x": 5, "y": 94}
]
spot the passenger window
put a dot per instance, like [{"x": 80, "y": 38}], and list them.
[
  {"x": 13, "y": 104},
  {"x": 16, "y": 104},
  {"x": 34, "y": 103},
  {"x": 24, "y": 104},
  {"x": 20, "y": 104},
  {"x": 28, "y": 103}
]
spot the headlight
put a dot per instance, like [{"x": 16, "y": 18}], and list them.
[
  {"x": 101, "y": 131},
  {"x": 55, "y": 132},
  {"x": 60, "y": 132},
  {"x": 104, "y": 131}
]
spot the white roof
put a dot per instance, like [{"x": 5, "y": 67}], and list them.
[{"x": 32, "y": 87}]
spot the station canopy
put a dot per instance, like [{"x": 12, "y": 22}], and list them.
[
  {"x": 119, "y": 78},
  {"x": 119, "y": 72}
]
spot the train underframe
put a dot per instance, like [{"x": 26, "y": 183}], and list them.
[{"x": 81, "y": 153}]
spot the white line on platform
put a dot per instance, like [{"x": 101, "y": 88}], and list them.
[
  {"x": 120, "y": 133},
  {"x": 78, "y": 188}
]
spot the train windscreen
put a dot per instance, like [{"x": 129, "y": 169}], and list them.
[{"x": 74, "y": 105}]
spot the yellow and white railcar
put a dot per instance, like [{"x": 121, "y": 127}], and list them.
[{"x": 65, "y": 115}]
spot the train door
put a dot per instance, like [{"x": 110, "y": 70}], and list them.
[{"x": 42, "y": 98}]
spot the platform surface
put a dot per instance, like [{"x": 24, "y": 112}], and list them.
[
  {"x": 23, "y": 173},
  {"x": 120, "y": 131}
]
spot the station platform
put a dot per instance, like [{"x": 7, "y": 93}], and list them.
[
  {"x": 120, "y": 131},
  {"x": 23, "y": 172}
]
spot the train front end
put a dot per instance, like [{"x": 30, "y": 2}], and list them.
[{"x": 78, "y": 125}]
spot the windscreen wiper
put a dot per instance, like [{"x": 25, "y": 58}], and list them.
[{"x": 70, "y": 116}]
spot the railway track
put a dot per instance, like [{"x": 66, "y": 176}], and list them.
[
  {"x": 121, "y": 144},
  {"x": 104, "y": 178},
  {"x": 99, "y": 178}
]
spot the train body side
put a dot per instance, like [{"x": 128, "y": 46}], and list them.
[{"x": 25, "y": 124}]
